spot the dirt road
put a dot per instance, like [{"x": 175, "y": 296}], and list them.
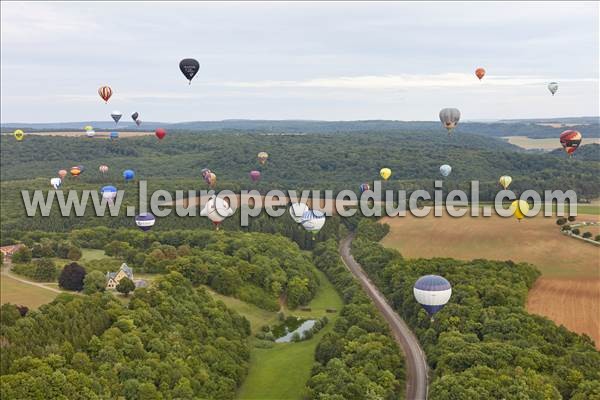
[{"x": 416, "y": 364}]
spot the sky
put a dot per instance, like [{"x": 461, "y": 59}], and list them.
[{"x": 325, "y": 61}]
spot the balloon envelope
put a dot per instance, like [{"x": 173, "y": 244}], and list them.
[
  {"x": 19, "y": 134},
  {"x": 519, "y": 209},
  {"x": 116, "y": 116},
  {"x": 449, "y": 118},
  {"x": 364, "y": 187},
  {"x": 138, "y": 122},
  {"x": 108, "y": 192},
  {"x": 103, "y": 168},
  {"x": 105, "y": 92},
  {"x": 505, "y": 181},
  {"x": 297, "y": 210},
  {"x": 75, "y": 171},
  {"x": 553, "y": 87},
  {"x": 313, "y": 220},
  {"x": 385, "y": 173},
  {"x": 445, "y": 170},
  {"x": 135, "y": 116},
  {"x": 570, "y": 141},
  {"x": 128, "y": 174},
  {"x": 432, "y": 292},
  {"x": 55, "y": 182},
  {"x": 216, "y": 209},
  {"x": 480, "y": 72},
  {"x": 62, "y": 173},
  {"x": 160, "y": 133},
  {"x": 262, "y": 157},
  {"x": 145, "y": 221},
  {"x": 189, "y": 68},
  {"x": 255, "y": 176},
  {"x": 114, "y": 135},
  {"x": 90, "y": 133}
]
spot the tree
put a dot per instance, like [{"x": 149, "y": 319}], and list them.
[
  {"x": 94, "y": 282},
  {"x": 576, "y": 231},
  {"x": 561, "y": 221},
  {"x": 45, "y": 270},
  {"x": 74, "y": 253},
  {"x": 587, "y": 235},
  {"x": 71, "y": 277},
  {"x": 125, "y": 286},
  {"x": 572, "y": 218},
  {"x": 597, "y": 238},
  {"x": 22, "y": 255}
]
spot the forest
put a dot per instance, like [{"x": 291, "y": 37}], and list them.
[
  {"x": 173, "y": 341},
  {"x": 483, "y": 344}
]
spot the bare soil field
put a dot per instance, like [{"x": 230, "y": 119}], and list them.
[
  {"x": 574, "y": 303},
  {"x": 568, "y": 291},
  {"x": 99, "y": 135},
  {"x": 543, "y": 144}
]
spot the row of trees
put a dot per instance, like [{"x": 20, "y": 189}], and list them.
[
  {"x": 172, "y": 342},
  {"x": 359, "y": 359},
  {"x": 483, "y": 344}
]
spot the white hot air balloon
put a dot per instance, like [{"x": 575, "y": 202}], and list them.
[
  {"x": 217, "y": 209},
  {"x": 90, "y": 133},
  {"x": 297, "y": 210},
  {"x": 432, "y": 292},
  {"x": 449, "y": 118},
  {"x": 313, "y": 221},
  {"x": 445, "y": 170},
  {"x": 109, "y": 193},
  {"x": 55, "y": 182},
  {"x": 553, "y": 87}
]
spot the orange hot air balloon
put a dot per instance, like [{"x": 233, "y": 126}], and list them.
[
  {"x": 480, "y": 72},
  {"x": 105, "y": 92},
  {"x": 62, "y": 173},
  {"x": 75, "y": 171},
  {"x": 570, "y": 141}
]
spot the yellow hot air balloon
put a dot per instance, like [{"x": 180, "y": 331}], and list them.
[
  {"x": 519, "y": 209},
  {"x": 385, "y": 173},
  {"x": 19, "y": 134},
  {"x": 505, "y": 181},
  {"x": 262, "y": 157},
  {"x": 88, "y": 128}
]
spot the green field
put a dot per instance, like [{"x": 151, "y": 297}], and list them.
[
  {"x": 92, "y": 254},
  {"x": 282, "y": 371},
  {"x": 15, "y": 292}
]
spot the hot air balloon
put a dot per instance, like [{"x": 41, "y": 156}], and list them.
[
  {"x": 128, "y": 175},
  {"x": 449, "y": 118},
  {"x": 135, "y": 116},
  {"x": 114, "y": 135},
  {"x": 189, "y": 68},
  {"x": 145, "y": 221},
  {"x": 385, "y": 173},
  {"x": 81, "y": 167},
  {"x": 211, "y": 180},
  {"x": 445, "y": 170},
  {"x": 480, "y": 72},
  {"x": 553, "y": 87},
  {"x": 313, "y": 221},
  {"x": 103, "y": 169},
  {"x": 216, "y": 209},
  {"x": 570, "y": 141},
  {"x": 88, "y": 128},
  {"x": 105, "y": 92},
  {"x": 160, "y": 133},
  {"x": 364, "y": 187},
  {"x": 255, "y": 176},
  {"x": 432, "y": 292},
  {"x": 297, "y": 210},
  {"x": 505, "y": 181},
  {"x": 62, "y": 173},
  {"x": 519, "y": 209},
  {"x": 138, "y": 122},
  {"x": 55, "y": 182},
  {"x": 205, "y": 172},
  {"x": 116, "y": 116},
  {"x": 75, "y": 171},
  {"x": 109, "y": 193},
  {"x": 19, "y": 134},
  {"x": 90, "y": 133},
  {"x": 262, "y": 157}
]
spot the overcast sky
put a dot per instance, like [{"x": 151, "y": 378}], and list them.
[{"x": 331, "y": 61}]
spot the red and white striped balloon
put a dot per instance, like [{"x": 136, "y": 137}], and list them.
[{"x": 105, "y": 92}]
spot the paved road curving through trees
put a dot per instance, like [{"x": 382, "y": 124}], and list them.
[{"x": 416, "y": 364}]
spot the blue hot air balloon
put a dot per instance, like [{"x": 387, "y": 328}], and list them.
[
  {"x": 432, "y": 292},
  {"x": 364, "y": 187},
  {"x": 445, "y": 170},
  {"x": 128, "y": 174},
  {"x": 145, "y": 221},
  {"x": 109, "y": 192},
  {"x": 114, "y": 135}
]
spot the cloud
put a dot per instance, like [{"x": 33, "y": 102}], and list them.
[{"x": 402, "y": 81}]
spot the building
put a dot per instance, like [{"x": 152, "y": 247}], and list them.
[
  {"x": 113, "y": 278},
  {"x": 8, "y": 251}
]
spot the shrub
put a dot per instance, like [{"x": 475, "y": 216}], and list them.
[
  {"x": 571, "y": 218},
  {"x": 587, "y": 235},
  {"x": 565, "y": 228},
  {"x": 576, "y": 231},
  {"x": 263, "y": 344},
  {"x": 22, "y": 255},
  {"x": 265, "y": 328},
  {"x": 597, "y": 238},
  {"x": 561, "y": 221},
  {"x": 74, "y": 253},
  {"x": 94, "y": 282},
  {"x": 71, "y": 277},
  {"x": 296, "y": 337}
]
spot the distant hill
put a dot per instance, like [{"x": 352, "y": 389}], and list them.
[
  {"x": 589, "y": 152},
  {"x": 534, "y": 128}
]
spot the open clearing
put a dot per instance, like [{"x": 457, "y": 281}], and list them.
[
  {"x": 543, "y": 144},
  {"x": 564, "y": 262},
  {"x": 574, "y": 303},
  {"x": 15, "y": 292}
]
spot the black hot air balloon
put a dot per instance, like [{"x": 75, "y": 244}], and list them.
[{"x": 189, "y": 68}]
